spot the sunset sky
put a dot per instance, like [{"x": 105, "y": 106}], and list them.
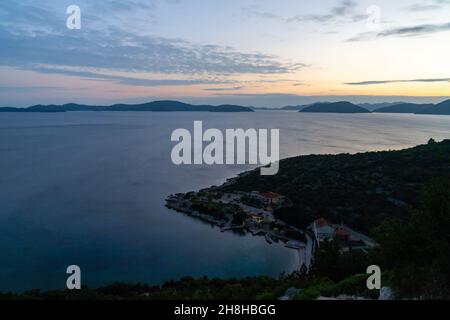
[{"x": 253, "y": 52}]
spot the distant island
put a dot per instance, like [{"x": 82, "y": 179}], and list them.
[
  {"x": 155, "y": 106},
  {"x": 345, "y": 107},
  {"x": 442, "y": 108},
  {"x": 335, "y": 107}
]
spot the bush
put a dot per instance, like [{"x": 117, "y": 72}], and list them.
[{"x": 315, "y": 291}]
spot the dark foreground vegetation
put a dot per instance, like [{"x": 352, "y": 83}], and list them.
[{"x": 254, "y": 288}]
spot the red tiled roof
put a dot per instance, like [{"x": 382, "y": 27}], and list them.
[
  {"x": 322, "y": 222},
  {"x": 342, "y": 232}
]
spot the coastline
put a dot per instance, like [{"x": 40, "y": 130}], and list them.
[{"x": 181, "y": 203}]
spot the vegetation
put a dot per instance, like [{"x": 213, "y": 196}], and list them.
[
  {"x": 331, "y": 263},
  {"x": 354, "y": 285},
  {"x": 252, "y": 201},
  {"x": 362, "y": 189},
  {"x": 217, "y": 210},
  {"x": 253, "y": 288},
  {"x": 417, "y": 251}
]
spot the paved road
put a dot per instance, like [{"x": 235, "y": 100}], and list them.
[
  {"x": 370, "y": 242},
  {"x": 309, "y": 250}
]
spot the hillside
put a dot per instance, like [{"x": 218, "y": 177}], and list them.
[
  {"x": 335, "y": 107},
  {"x": 155, "y": 106},
  {"x": 362, "y": 189}
]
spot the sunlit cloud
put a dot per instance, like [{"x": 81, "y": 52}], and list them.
[
  {"x": 366, "y": 83},
  {"x": 411, "y": 31},
  {"x": 427, "y": 5},
  {"x": 344, "y": 11}
]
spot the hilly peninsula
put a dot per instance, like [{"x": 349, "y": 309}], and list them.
[
  {"x": 361, "y": 189},
  {"x": 442, "y": 108}
]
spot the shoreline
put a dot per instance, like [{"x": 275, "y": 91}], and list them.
[{"x": 304, "y": 249}]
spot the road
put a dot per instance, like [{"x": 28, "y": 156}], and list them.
[
  {"x": 369, "y": 242},
  {"x": 306, "y": 255}
]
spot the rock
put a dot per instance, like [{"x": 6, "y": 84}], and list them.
[
  {"x": 386, "y": 293},
  {"x": 290, "y": 294},
  {"x": 327, "y": 299},
  {"x": 342, "y": 297}
]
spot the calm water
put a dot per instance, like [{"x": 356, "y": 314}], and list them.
[{"x": 89, "y": 189}]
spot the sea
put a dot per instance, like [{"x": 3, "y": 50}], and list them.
[{"x": 89, "y": 189}]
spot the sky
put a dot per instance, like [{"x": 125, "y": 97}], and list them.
[{"x": 266, "y": 53}]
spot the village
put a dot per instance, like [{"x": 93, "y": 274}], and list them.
[{"x": 253, "y": 212}]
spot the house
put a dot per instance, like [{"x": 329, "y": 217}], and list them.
[
  {"x": 342, "y": 234},
  {"x": 322, "y": 229},
  {"x": 272, "y": 197}
]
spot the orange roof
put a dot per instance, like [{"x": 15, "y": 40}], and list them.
[
  {"x": 271, "y": 195},
  {"x": 322, "y": 222}
]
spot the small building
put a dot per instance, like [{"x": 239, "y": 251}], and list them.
[
  {"x": 322, "y": 229},
  {"x": 273, "y": 198},
  {"x": 257, "y": 219},
  {"x": 268, "y": 198},
  {"x": 342, "y": 234}
]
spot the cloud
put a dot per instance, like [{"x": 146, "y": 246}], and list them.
[
  {"x": 255, "y": 84},
  {"x": 366, "y": 83},
  {"x": 32, "y": 36},
  {"x": 412, "y": 31},
  {"x": 254, "y": 11},
  {"x": 428, "y": 5},
  {"x": 122, "y": 6},
  {"x": 237, "y": 88},
  {"x": 123, "y": 51},
  {"x": 344, "y": 12},
  {"x": 125, "y": 80},
  {"x": 23, "y": 89}
]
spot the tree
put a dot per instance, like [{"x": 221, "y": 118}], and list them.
[{"x": 417, "y": 251}]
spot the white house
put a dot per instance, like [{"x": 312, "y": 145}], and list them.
[{"x": 322, "y": 229}]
